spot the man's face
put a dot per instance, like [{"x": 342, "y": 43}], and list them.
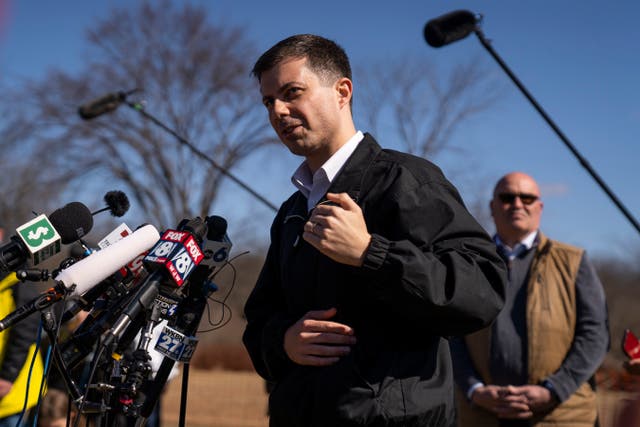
[
  {"x": 516, "y": 206},
  {"x": 303, "y": 110}
]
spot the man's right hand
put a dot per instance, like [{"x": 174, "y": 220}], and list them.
[
  {"x": 499, "y": 401},
  {"x": 314, "y": 340}
]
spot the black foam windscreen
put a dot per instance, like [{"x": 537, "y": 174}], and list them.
[
  {"x": 72, "y": 221},
  {"x": 117, "y": 202},
  {"x": 449, "y": 27},
  {"x": 217, "y": 227}
]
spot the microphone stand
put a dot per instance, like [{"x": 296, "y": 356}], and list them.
[
  {"x": 556, "y": 129},
  {"x": 140, "y": 109}
]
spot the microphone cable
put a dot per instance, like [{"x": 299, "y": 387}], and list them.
[{"x": 223, "y": 302}]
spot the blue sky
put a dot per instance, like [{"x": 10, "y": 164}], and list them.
[{"x": 580, "y": 60}]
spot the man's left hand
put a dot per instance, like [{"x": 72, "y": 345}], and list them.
[
  {"x": 538, "y": 398},
  {"x": 338, "y": 230}
]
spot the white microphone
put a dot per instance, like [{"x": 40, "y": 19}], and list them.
[
  {"x": 88, "y": 272},
  {"x": 95, "y": 268}
]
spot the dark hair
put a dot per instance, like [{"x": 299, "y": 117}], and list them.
[{"x": 325, "y": 57}]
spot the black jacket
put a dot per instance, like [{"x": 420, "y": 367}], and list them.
[{"x": 430, "y": 272}]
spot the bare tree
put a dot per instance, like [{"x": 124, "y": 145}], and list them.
[
  {"x": 411, "y": 100},
  {"x": 621, "y": 281},
  {"x": 193, "y": 77},
  {"x": 419, "y": 107},
  {"x": 26, "y": 190}
]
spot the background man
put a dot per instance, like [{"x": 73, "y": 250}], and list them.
[
  {"x": 535, "y": 365},
  {"x": 373, "y": 261}
]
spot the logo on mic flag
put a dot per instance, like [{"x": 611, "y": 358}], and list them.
[
  {"x": 40, "y": 238},
  {"x": 178, "y": 252}
]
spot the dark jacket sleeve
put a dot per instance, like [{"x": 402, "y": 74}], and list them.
[
  {"x": 591, "y": 339},
  {"x": 437, "y": 265},
  {"x": 464, "y": 373},
  {"x": 21, "y": 335}
]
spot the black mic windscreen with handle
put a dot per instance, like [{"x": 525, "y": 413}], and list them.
[
  {"x": 449, "y": 27},
  {"x": 101, "y": 105}
]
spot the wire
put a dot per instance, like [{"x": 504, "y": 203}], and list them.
[
  {"x": 33, "y": 361},
  {"x": 223, "y": 302},
  {"x": 94, "y": 367}
]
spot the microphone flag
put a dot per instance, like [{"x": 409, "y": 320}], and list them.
[{"x": 40, "y": 238}]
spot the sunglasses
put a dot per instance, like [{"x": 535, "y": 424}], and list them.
[{"x": 509, "y": 198}]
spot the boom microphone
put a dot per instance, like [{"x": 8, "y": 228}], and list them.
[
  {"x": 449, "y": 27},
  {"x": 89, "y": 271},
  {"x": 102, "y": 105}
]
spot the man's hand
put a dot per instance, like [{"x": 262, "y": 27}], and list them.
[
  {"x": 338, "y": 230},
  {"x": 5, "y": 387},
  {"x": 498, "y": 400},
  {"x": 537, "y": 397},
  {"x": 316, "y": 341}
]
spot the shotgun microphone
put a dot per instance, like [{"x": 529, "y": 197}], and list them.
[
  {"x": 450, "y": 27},
  {"x": 104, "y": 104}
]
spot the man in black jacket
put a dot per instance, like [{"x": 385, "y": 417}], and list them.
[{"x": 373, "y": 262}]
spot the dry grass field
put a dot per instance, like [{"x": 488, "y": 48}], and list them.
[{"x": 218, "y": 398}]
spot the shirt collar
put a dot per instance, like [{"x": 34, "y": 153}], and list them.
[
  {"x": 304, "y": 180},
  {"x": 527, "y": 242}
]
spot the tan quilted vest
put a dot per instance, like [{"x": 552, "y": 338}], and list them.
[{"x": 551, "y": 320}]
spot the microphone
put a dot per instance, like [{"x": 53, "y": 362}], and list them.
[
  {"x": 107, "y": 300},
  {"x": 177, "y": 340},
  {"x": 215, "y": 249},
  {"x": 217, "y": 245},
  {"x": 41, "y": 237},
  {"x": 449, "y": 27},
  {"x": 173, "y": 257},
  {"x": 73, "y": 221},
  {"x": 88, "y": 272},
  {"x": 102, "y": 105},
  {"x": 117, "y": 203},
  {"x": 95, "y": 268},
  {"x": 117, "y": 283}
]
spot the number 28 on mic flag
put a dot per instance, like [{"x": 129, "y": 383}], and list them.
[{"x": 40, "y": 238}]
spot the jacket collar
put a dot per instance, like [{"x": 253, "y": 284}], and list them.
[{"x": 350, "y": 179}]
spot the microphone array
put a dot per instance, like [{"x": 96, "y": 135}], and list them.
[{"x": 129, "y": 287}]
